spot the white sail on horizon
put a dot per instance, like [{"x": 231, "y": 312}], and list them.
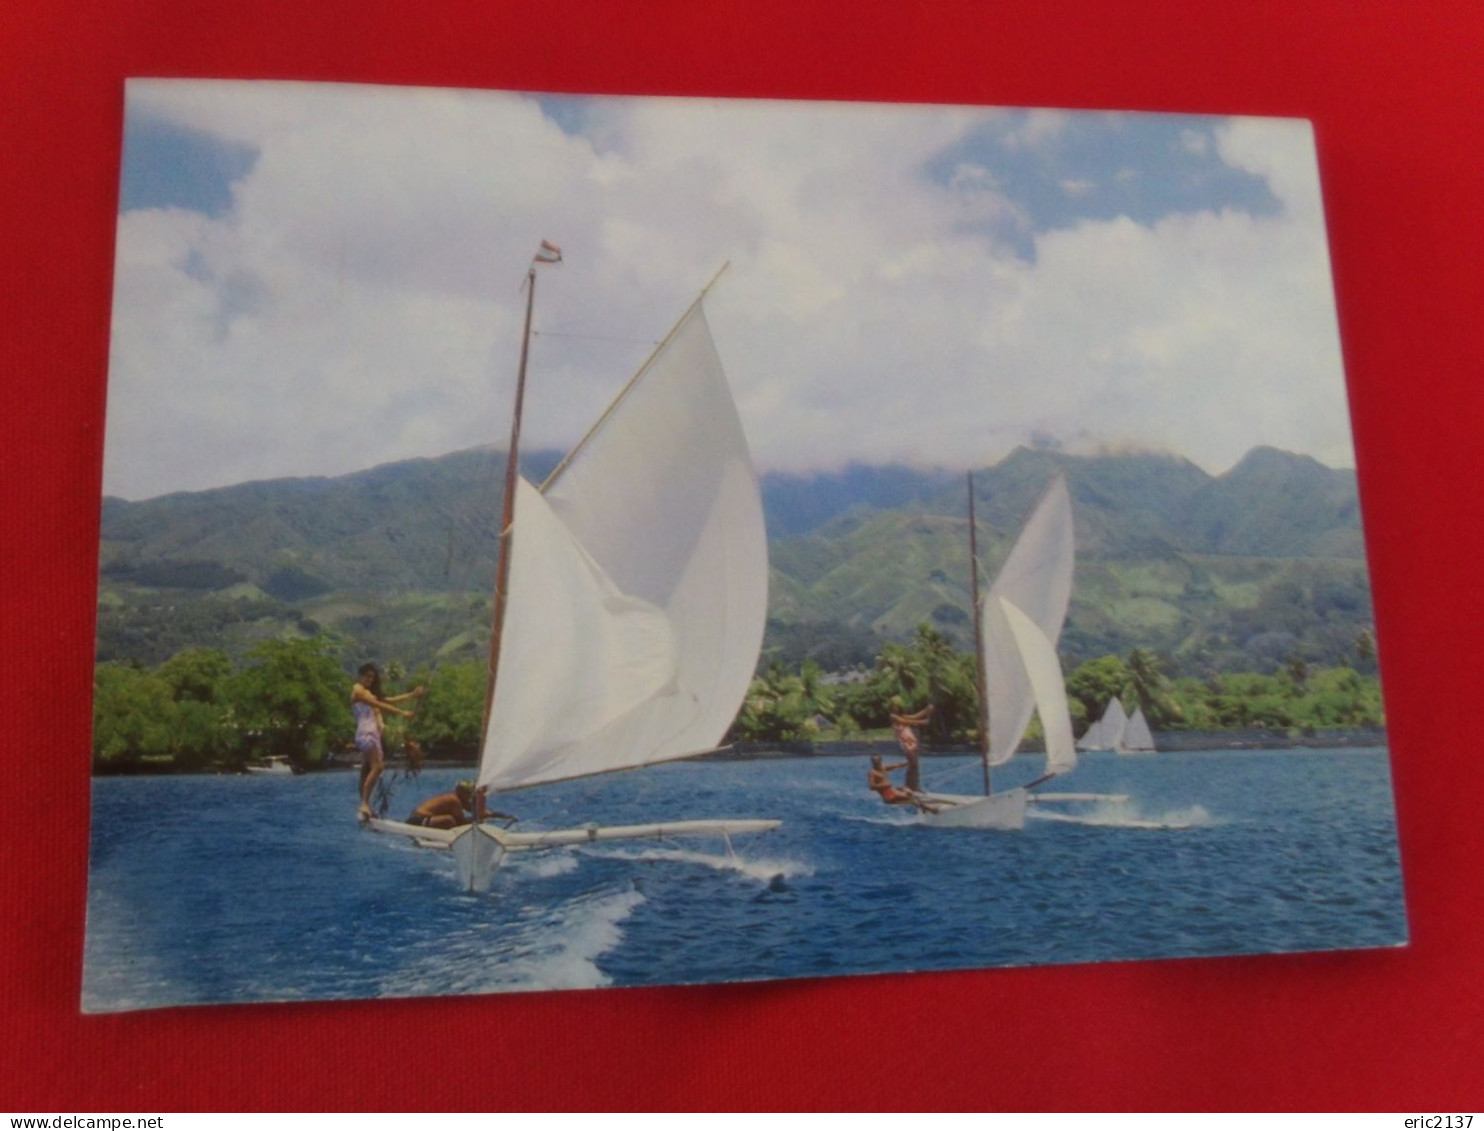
[
  {"x": 1092, "y": 738},
  {"x": 638, "y": 583},
  {"x": 1108, "y": 732},
  {"x": 1137, "y": 738}
]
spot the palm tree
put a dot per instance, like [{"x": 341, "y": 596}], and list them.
[
  {"x": 901, "y": 669},
  {"x": 939, "y": 663},
  {"x": 1149, "y": 687},
  {"x": 807, "y": 696}
]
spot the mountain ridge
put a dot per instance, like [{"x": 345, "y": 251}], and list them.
[{"x": 1169, "y": 556}]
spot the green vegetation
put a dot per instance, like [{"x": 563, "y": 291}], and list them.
[
  {"x": 1213, "y": 573},
  {"x": 230, "y": 621},
  {"x": 290, "y": 698},
  {"x": 791, "y": 705}
]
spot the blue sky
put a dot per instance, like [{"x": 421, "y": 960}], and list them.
[
  {"x": 1100, "y": 166},
  {"x": 313, "y": 279},
  {"x": 172, "y": 166}
]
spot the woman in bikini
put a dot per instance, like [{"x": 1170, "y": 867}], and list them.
[
  {"x": 902, "y": 724},
  {"x": 367, "y": 704}
]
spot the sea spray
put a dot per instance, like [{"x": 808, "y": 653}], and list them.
[
  {"x": 1128, "y": 815},
  {"x": 584, "y": 931},
  {"x": 764, "y": 870},
  {"x": 544, "y": 948},
  {"x": 541, "y": 865}
]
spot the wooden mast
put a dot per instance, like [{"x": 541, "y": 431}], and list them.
[
  {"x": 507, "y": 513},
  {"x": 978, "y": 640}
]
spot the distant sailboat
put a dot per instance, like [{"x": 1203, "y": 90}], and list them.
[
  {"x": 1107, "y": 732},
  {"x": 631, "y": 621},
  {"x": 1016, "y": 628},
  {"x": 1137, "y": 738},
  {"x": 1117, "y": 731}
]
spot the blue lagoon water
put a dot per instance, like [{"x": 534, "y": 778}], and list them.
[{"x": 231, "y": 889}]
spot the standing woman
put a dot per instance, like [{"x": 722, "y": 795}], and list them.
[
  {"x": 367, "y": 704},
  {"x": 902, "y": 724}
]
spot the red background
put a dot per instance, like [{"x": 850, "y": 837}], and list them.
[{"x": 1395, "y": 92}]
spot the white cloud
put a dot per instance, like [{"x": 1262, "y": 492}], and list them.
[
  {"x": 361, "y": 301},
  {"x": 1038, "y": 129}
]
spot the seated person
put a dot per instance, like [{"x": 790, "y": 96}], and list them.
[
  {"x": 877, "y": 780},
  {"x": 450, "y": 810}
]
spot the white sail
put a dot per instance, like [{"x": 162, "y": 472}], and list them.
[
  {"x": 1136, "y": 736},
  {"x": 1114, "y": 722},
  {"x": 1036, "y": 579},
  {"x": 1048, "y": 685},
  {"x": 1093, "y": 738},
  {"x": 638, "y": 583}
]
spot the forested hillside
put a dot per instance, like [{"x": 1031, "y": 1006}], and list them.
[{"x": 1237, "y": 572}]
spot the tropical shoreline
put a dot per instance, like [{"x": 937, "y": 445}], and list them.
[
  {"x": 1247, "y": 738},
  {"x": 1167, "y": 742}
]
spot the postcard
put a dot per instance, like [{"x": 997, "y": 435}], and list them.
[{"x": 558, "y": 542}]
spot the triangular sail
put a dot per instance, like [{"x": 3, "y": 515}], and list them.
[
  {"x": 638, "y": 583},
  {"x": 1114, "y": 722},
  {"x": 1043, "y": 670},
  {"x": 1093, "y": 738},
  {"x": 1037, "y": 580},
  {"x": 1136, "y": 735}
]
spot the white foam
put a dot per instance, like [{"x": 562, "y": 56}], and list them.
[
  {"x": 589, "y": 930},
  {"x": 761, "y": 869},
  {"x": 558, "y": 949},
  {"x": 541, "y": 865},
  {"x": 1127, "y": 815}
]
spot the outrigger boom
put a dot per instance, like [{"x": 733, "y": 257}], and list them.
[{"x": 480, "y": 849}]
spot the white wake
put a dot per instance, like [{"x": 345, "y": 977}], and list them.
[
  {"x": 1126, "y": 815},
  {"x": 558, "y": 950},
  {"x": 541, "y": 865},
  {"x": 763, "y": 869}
]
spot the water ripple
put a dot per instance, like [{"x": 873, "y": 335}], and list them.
[{"x": 212, "y": 889}]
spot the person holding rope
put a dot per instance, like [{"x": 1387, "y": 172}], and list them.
[
  {"x": 902, "y": 724},
  {"x": 879, "y": 782},
  {"x": 368, "y": 704}
]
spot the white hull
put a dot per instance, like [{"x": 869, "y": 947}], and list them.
[
  {"x": 478, "y": 850},
  {"x": 1003, "y": 811},
  {"x": 271, "y": 767}
]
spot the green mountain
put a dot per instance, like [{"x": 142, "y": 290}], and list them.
[
  {"x": 1276, "y": 504},
  {"x": 416, "y": 524},
  {"x": 1212, "y": 572},
  {"x": 1227, "y": 572}
]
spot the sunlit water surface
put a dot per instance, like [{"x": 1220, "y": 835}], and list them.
[{"x": 257, "y": 888}]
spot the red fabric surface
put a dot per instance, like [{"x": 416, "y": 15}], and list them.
[{"x": 1395, "y": 92}]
